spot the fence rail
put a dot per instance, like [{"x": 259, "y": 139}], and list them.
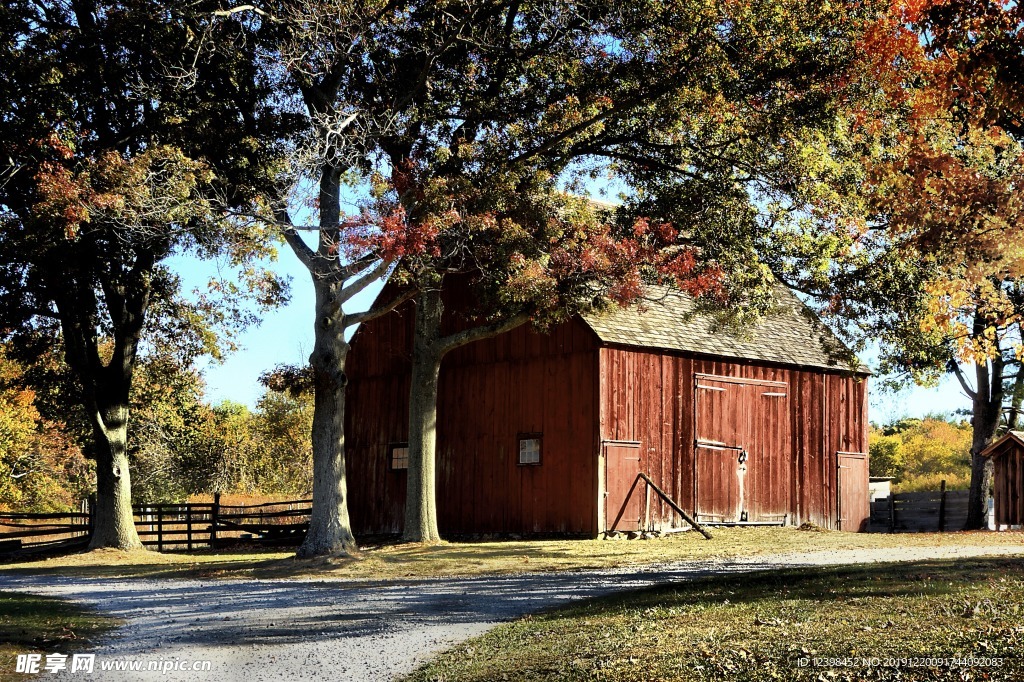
[
  {"x": 188, "y": 526},
  {"x": 923, "y": 512}
]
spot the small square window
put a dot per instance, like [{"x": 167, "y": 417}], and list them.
[
  {"x": 529, "y": 449},
  {"x": 399, "y": 456}
]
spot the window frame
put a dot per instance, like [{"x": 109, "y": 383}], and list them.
[
  {"x": 397, "y": 445},
  {"x": 520, "y": 437}
]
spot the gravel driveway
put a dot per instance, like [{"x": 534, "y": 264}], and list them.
[{"x": 257, "y": 630}]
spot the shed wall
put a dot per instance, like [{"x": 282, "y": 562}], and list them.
[
  {"x": 1008, "y": 485},
  {"x": 648, "y": 396}
]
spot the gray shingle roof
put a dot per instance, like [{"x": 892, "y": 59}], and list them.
[{"x": 791, "y": 335}]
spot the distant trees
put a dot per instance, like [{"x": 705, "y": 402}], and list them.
[
  {"x": 41, "y": 466},
  {"x": 920, "y": 453},
  {"x": 179, "y": 445},
  {"x": 167, "y": 438},
  {"x": 226, "y": 447},
  {"x": 261, "y": 451}
]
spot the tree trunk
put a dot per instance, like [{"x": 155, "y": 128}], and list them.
[
  {"x": 114, "y": 523},
  {"x": 330, "y": 530},
  {"x": 106, "y": 387},
  {"x": 421, "y": 499},
  {"x": 987, "y": 409},
  {"x": 1016, "y": 399},
  {"x": 429, "y": 349}
]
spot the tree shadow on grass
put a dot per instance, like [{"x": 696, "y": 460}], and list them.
[{"x": 937, "y": 578}]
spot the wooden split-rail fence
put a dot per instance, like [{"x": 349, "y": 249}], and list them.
[{"x": 186, "y": 526}]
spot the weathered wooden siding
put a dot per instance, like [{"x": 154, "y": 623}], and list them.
[
  {"x": 377, "y": 415},
  {"x": 648, "y": 396},
  {"x": 490, "y": 392},
  {"x": 846, "y": 431}
]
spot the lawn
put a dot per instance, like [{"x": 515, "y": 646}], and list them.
[
  {"x": 396, "y": 561},
  {"x": 915, "y": 621},
  {"x": 33, "y": 624}
]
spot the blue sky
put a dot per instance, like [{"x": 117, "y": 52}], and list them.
[{"x": 286, "y": 336}]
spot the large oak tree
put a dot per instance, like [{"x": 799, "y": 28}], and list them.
[{"x": 120, "y": 146}]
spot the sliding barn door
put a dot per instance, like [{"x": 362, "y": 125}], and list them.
[
  {"x": 720, "y": 469},
  {"x": 742, "y": 458},
  {"x": 770, "y": 453}
]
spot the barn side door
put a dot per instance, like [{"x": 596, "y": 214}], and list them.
[
  {"x": 720, "y": 454},
  {"x": 854, "y": 504},
  {"x": 622, "y": 492}
]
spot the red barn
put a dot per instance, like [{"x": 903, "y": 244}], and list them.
[{"x": 546, "y": 433}]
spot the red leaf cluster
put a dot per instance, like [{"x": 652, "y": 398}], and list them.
[
  {"x": 62, "y": 197},
  {"x": 390, "y": 236}
]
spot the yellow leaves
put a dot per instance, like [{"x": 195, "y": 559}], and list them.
[
  {"x": 466, "y": 150},
  {"x": 921, "y": 452},
  {"x": 954, "y": 306},
  {"x": 18, "y": 417},
  {"x": 157, "y": 186},
  {"x": 37, "y": 461},
  {"x": 529, "y": 281}
]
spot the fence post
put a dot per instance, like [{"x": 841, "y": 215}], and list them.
[
  {"x": 188, "y": 525},
  {"x": 942, "y": 506},
  {"x": 90, "y": 505},
  {"x": 159, "y": 528},
  {"x": 892, "y": 512},
  {"x": 214, "y": 520},
  {"x": 647, "y": 508}
]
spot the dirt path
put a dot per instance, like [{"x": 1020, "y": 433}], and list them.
[{"x": 258, "y": 630}]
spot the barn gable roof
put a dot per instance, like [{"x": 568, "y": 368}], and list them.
[{"x": 792, "y": 334}]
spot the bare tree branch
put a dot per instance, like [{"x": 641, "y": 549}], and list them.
[
  {"x": 380, "y": 309},
  {"x": 224, "y": 13},
  {"x": 971, "y": 393},
  {"x": 453, "y": 341},
  {"x": 301, "y": 249},
  {"x": 365, "y": 280}
]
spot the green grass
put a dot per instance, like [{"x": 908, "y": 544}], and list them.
[
  {"x": 34, "y": 624},
  {"x": 759, "y": 626},
  {"x": 397, "y": 561}
]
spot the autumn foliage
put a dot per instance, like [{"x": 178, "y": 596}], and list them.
[
  {"x": 41, "y": 467},
  {"x": 944, "y": 160}
]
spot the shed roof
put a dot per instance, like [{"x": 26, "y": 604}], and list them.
[
  {"x": 791, "y": 334},
  {"x": 1004, "y": 444}
]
